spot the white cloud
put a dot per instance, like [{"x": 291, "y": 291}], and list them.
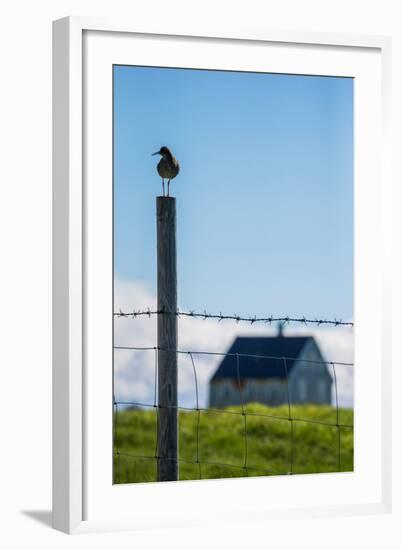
[{"x": 135, "y": 370}]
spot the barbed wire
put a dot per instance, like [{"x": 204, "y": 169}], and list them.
[
  {"x": 243, "y": 411},
  {"x": 234, "y": 317}
]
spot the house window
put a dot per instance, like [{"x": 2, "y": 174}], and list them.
[
  {"x": 226, "y": 390},
  {"x": 302, "y": 390},
  {"x": 322, "y": 391}
]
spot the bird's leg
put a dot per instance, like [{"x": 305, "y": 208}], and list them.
[
  {"x": 163, "y": 185},
  {"x": 168, "y": 188}
]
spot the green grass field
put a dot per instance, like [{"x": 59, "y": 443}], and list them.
[{"x": 269, "y": 442}]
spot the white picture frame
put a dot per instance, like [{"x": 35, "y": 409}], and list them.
[{"x": 74, "y": 386}]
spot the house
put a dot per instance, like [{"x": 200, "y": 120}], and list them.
[{"x": 264, "y": 363}]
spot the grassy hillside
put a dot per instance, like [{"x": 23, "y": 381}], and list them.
[{"x": 221, "y": 440}]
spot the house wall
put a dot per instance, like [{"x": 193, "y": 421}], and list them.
[{"x": 271, "y": 392}]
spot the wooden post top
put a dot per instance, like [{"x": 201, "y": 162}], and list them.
[{"x": 165, "y": 208}]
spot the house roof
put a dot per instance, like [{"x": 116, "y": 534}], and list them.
[{"x": 261, "y": 357}]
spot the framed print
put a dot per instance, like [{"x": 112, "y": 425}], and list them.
[{"x": 220, "y": 332}]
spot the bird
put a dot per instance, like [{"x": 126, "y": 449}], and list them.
[{"x": 168, "y": 166}]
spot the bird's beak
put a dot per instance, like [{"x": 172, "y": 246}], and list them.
[{"x": 157, "y": 153}]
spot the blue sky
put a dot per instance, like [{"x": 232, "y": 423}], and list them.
[{"x": 265, "y": 193}]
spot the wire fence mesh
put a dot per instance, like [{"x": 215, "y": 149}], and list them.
[{"x": 203, "y": 462}]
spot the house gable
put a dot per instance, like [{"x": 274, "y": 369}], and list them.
[
  {"x": 310, "y": 380},
  {"x": 311, "y": 358}
]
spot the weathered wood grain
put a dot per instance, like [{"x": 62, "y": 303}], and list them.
[{"x": 167, "y": 429}]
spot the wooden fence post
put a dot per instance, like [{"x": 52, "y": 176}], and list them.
[{"x": 167, "y": 428}]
